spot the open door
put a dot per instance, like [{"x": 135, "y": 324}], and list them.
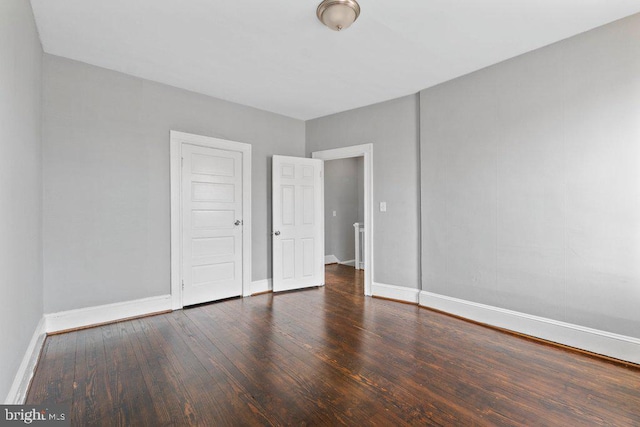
[{"x": 298, "y": 223}]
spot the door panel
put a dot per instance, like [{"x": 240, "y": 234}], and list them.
[
  {"x": 298, "y": 223},
  {"x": 308, "y": 257},
  {"x": 213, "y": 246},
  {"x": 210, "y": 192},
  {"x": 210, "y": 164},
  {"x": 288, "y": 204},
  {"x": 212, "y": 224},
  {"x": 288, "y": 258}
]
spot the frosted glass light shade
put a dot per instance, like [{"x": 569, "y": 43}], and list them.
[{"x": 338, "y": 14}]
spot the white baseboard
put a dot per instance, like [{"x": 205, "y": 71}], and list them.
[
  {"x": 331, "y": 259},
  {"x": 399, "y": 293},
  {"x": 601, "y": 342},
  {"x": 18, "y": 391},
  {"x": 260, "y": 286},
  {"x": 56, "y": 322}
]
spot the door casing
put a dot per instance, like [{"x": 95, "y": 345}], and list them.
[{"x": 177, "y": 139}]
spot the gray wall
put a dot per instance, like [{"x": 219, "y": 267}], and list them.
[
  {"x": 106, "y": 174},
  {"x": 342, "y": 195},
  {"x": 20, "y": 185},
  {"x": 392, "y": 127},
  {"x": 531, "y": 182}
]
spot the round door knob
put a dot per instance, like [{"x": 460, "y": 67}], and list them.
[
  {"x": 277, "y": 233},
  {"x": 238, "y": 222}
]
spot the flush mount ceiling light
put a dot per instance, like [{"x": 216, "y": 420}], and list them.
[{"x": 338, "y": 14}]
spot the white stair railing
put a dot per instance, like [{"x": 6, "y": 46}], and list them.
[{"x": 358, "y": 229}]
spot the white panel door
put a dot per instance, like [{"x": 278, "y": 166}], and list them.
[
  {"x": 211, "y": 224},
  {"x": 298, "y": 223}
]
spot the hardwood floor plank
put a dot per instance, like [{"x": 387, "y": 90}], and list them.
[
  {"x": 325, "y": 356},
  {"x": 96, "y": 390},
  {"x": 54, "y": 385},
  {"x": 225, "y": 388},
  {"x": 129, "y": 397},
  {"x": 555, "y": 408},
  {"x": 201, "y": 392},
  {"x": 150, "y": 360},
  {"x": 377, "y": 368},
  {"x": 259, "y": 366},
  {"x": 170, "y": 397},
  {"x": 314, "y": 376}
]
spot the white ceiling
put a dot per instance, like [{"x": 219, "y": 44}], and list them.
[{"x": 276, "y": 56}]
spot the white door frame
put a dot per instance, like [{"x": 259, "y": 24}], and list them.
[
  {"x": 177, "y": 139},
  {"x": 366, "y": 151}
]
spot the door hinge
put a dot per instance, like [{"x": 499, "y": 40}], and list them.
[{"x": 183, "y": 285}]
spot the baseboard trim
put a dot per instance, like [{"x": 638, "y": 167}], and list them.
[
  {"x": 18, "y": 391},
  {"x": 393, "y": 292},
  {"x": 605, "y": 343},
  {"x": 331, "y": 259},
  {"x": 261, "y": 286},
  {"x": 108, "y": 313}
]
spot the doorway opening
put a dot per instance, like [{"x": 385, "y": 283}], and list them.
[
  {"x": 334, "y": 229},
  {"x": 344, "y": 212}
]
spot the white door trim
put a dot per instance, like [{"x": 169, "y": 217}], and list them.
[
  {"x": 366, "y": 151},
  {"x": 175, "y": 150}
]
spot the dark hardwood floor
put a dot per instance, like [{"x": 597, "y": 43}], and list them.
[{"x": 326, "y": 356}]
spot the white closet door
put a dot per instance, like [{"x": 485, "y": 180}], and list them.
[{"x": 211, "y": 224}]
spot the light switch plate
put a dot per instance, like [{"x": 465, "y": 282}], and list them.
[
  {"x": 334, "y": 213},
  {"x": 383, "y": 206}
]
